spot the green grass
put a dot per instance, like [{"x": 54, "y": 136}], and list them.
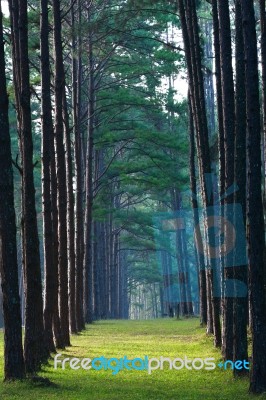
[{"x": 164, "y": 337}]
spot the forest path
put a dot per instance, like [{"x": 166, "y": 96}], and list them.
[{"x": 134, "y": 339}]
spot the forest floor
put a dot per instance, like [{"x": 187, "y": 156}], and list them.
[{"x": 134, "y": 339}]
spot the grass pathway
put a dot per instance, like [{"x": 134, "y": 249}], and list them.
[{"x": 155, "y": 338}]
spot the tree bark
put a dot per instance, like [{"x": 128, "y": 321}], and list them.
[
  {"x": 79, "y": 231},
  {"x": 13, "y": 352},
  {"x": 255, "y": 223},
  {"x": 190, "y": 32},
  {"x": 35, "y": 350},
  {"x": 47, "y": 137},
  {"x": 61, "y": 175},
  {"x": 88, "y": 269},
  {"x": 240, "y": 272},
  {"x": 198, "y": 237},
  {"x": 70, "y": 221},
  {"x": 229, "y": 129},
  {"x": 263, "y": 63}
]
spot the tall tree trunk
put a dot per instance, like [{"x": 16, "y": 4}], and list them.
[
  {"x": 35, "y": 349},
  {"x": 229, "y": 129},
  {"x": 47, "y": 137},
  {"x": 79, "y": 232},
  {"x": 240, "y": 272},
  {"x": 190, "y": 32},
  {"x": 255, "y": 223},
  {"x": 107, "y": 270},
  {"x": 13, "y": 352},
  {"x": 219, "y": 95},
  {"x": 61, "y": 175},
  {"x": 59, "y": 340},
  {"x": 198, "y": 237},
  {"x": 263, "y": 63},
  {"x": 96, "y": 271},
  {"x": 88, "y": 270},
  {"x": 70, "y": 221},
  {"x": 208, "y": 76},
  {"x": 220, "y": 123}
]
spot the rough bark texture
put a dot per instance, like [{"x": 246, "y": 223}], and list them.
[
  {"x": 13, "y": 352},
  {"x": 59, "y": 340},
  {"x": 79, "y": 221},
  {"x": 198, "y": 237},
  {"x": 190, "y": 32},
  {"x": 88, "y": 269},
  {"x": 240, "y": 272},
  {"x": 229, "y": 128},
  {"x": 70, "y": 221},
  {"x": 35, "y": 350},
  {"x": 47, "y": 137},
  {"x": 61, "y": 175},
  {"x": 263, "y": 63},
  {"x": 255, "y": 223}
]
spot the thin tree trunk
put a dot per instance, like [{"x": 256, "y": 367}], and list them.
[
  {"x": 59, "y": 340},
  {"x": 79, "y": 232},
  {"x": 198, "y": 237},
  {"x": 229, "y": 129},
  {"x": 220, "y": 126},
  {"x": 61, "y": 175},
  {"x": 70, "y": 221},
  {"x": 47, "y": 137},
  {"x": 240, "y": 272},
  {"x": 88, "y": 270}
]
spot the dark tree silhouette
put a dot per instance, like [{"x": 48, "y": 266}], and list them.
[
  {"x": 13, "y": 352},
  {"x": 61, "y": 175},
  {"x": 47, "y": 138},
  {"x": 240, "y": 272},
  {"x": 255, "y": 222},
  {"x": 35, "y": 350}
]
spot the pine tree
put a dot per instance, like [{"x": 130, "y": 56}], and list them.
[
  {"x": 255, "y": 223},
  {"x": 13, "y": 352}
]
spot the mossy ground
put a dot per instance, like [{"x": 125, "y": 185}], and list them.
[{"x": 154, "y": 338}]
